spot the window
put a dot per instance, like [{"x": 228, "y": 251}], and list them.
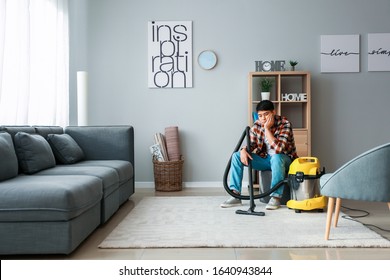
[{"x": 34, "y": 62}]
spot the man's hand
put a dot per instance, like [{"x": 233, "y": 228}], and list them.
[
  {"x": 269, "y": 121},
  {"x": 244, "y": 155},
  {"x": 268, "y": 124}
]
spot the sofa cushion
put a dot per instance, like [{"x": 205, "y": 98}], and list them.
[
  {"x": 123, "y": 168},
  {"x": 33, "y": 152},
  {"x": 48, "y": 198},
  {"x": 125, "y": 172},
  {"x": 108, "y": 176},
  {"x": 9, "y": 161},
  {"x": 65, "y": 148}
]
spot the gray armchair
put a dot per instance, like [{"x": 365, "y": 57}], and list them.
[{"x": 366, "y": 178}]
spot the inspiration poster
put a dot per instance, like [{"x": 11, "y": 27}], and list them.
[{"x": 170, "y": 54}]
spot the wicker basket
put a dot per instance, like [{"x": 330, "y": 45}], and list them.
[{"x": 168, "y": 175}]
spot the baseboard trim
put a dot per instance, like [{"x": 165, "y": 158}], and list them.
[{"x": 146, "y": 185}]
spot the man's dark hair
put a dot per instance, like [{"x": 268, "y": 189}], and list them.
[{"x": 265, "y": 105}]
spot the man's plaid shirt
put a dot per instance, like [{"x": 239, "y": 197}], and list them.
[{"x": 284, "y": 138}]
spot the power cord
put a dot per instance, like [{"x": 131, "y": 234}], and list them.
[{"x": 365, "y": 214}]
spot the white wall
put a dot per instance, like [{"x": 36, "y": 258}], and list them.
[{"x": 109, "y": 40}]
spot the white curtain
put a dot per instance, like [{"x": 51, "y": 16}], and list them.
[{"x": 34, "y": 62}]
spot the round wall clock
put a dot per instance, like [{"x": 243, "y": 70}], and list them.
[{"x": 207, "y": 59}]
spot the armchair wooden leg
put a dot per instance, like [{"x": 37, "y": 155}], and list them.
[
  {"x": 331, "y": 201},
  {"x": 337, "y": 212}
]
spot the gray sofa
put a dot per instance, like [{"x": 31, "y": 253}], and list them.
[{"x": 57, "y": 185}]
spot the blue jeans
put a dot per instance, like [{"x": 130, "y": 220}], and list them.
[{"x": 278, "y": 164}]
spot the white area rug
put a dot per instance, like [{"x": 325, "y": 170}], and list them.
[{"x": 174, "y": 222}]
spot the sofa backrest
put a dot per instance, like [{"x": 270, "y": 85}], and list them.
[
  {"x": 46, "y": 130},
  {"x": 104, "y": 142},
  {"x": 41, "y": 130},
  {"x": 12, "y": 130}
]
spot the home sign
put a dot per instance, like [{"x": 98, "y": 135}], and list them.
[
  {"x": 294, "y": 97},
  {"x": 270, "y": 65}
]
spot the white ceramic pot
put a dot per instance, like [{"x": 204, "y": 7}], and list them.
[{"x": 265, "y": 95}]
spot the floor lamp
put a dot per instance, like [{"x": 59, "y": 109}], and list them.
[{"x": 82, "y": 98}]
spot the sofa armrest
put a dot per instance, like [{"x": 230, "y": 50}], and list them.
[{"x": 104, "y": 142}]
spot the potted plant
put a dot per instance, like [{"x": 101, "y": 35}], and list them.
[
  {"x": 266, "y": 85},
  {"x": 293, "y": 63}
]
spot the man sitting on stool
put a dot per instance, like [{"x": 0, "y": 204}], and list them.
[{"x": 272, "y": 148}]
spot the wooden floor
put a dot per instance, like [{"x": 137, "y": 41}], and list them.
[{"x": 88, "y": 250}]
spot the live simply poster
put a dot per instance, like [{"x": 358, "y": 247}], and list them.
[
  {"x": 340, "y": 53},
  {"x": 170, "y": 54},
  {"x": 379, "y": 52}
]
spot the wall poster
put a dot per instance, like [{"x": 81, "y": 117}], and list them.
[
  {"x": 379, "y": 52},
  {"x": 170, "y": 54},
  {"x": 340, "y": 53}
]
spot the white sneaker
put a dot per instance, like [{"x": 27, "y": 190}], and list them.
[
  {"x": 273, "y": 204},
  {"x": 231, "y": 202}
]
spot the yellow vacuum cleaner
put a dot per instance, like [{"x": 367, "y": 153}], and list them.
[{"x": 303, "y": 177}]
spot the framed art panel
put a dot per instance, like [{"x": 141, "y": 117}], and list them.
[
  {"x": 379, "y": 52},
  {"x": 340, "y": 53},
  {"x": 170, "y": 54}
]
